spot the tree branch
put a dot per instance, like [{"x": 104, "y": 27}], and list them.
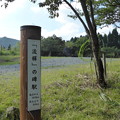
[
  {"x": 87, "y": 30},
  {"x": 92, "y": 15},
  {"x": 84, "y": 7},
  {"x": 117, "y": 26}
]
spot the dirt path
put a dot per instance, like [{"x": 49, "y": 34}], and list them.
[{"x": 52, "y": 62}]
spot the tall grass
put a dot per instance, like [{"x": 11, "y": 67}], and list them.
[
  {"x": 70, "y": 93},
  {"x": 14, "y": 59},
  {"x": 9, "y": 60},
  {"x": 73, "y": 95}
]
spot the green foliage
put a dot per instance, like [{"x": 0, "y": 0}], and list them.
[
  {"x": 52, "y": 46},
  {"x": 10, "y": 50},
  {"x": 110, "y": 44},
  {"x": 79, "y": 46},
  {"x": 107, "y": 12},
  {"x": 70, "y": 49},
  {"x": 111, "y": 51},
  {"x": 9, "y": 60},
  {"x": 52, "y": 7},
  {"x": 9, "y": 47},
  {"x": 83, "y": 47}
]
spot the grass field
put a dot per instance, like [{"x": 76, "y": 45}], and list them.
[
  {"x": 11, "y": 59},
  {"x": 69, "y": 93}
]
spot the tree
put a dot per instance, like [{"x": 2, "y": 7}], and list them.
[
  {"x": 1, "y": 48},
  {"x": 88, "y": 7},
  {"x": 73, "y": 39},
  {"x": 115, "y": 38},
  {"x": 101, "y": 42},
  {"x": 78, "y": 46},
  {"x": 70, "y": 48},
  {"x": 83, "y": 46},
  {"x": 111, "y": 51},
  {"x": 110, "y": 39},
  {"x": 90, "y": 27},
  {"x": 52, "y": 46},
  {"x": 9, "y": 47},
  {"x": 105, "y": 40},
  {"x": 5, "y": 4},
  {"x": 111, "y": 44},
  {"x": 119, "y": 40},
  {"x": 16, "y": 49},
  {"x": 108, "y": 12}
]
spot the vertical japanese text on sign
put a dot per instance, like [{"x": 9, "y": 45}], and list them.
[{"x": 33, "y": 75}]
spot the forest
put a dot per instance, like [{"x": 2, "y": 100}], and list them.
[{"x": 81, "y": 46}]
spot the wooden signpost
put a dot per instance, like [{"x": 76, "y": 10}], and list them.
[{"x": 30, "y": 107}]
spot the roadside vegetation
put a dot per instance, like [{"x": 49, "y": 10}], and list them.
[
  {"x": 69, "y": 93},
  {"x": 15, "y": 59},
  {"x": 9, "y": 60}
]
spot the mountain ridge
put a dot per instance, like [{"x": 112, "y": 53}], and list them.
[{"x": 5, "y": 42}]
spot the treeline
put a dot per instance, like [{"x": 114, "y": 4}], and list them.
[
  {"x": 10, "y": 50},
  {"x": 77, "y": 46},
  {"x": 55, "y": 46},
  {"x": 52, "y": 46},
  {"x": 110, "y": 44}
]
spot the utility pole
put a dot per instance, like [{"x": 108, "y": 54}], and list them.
[{"x": 30, "y": 98}]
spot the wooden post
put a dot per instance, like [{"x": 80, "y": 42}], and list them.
[
  {"x": 32, "y": 33},
  {"x": 104, "y": 62}
]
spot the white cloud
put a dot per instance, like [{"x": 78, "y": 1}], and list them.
[
  {"x": 106, "y": 30},
  {"x": 76, "y": 5},
  {"x": 69, "y": 28},
  {"x": 62, "y": 26},
  {"x": 118, "y": 30},
  {"x": 62, "y": 18},
  {"x": 66, "y": 27},
  {"x": 37, "y": 9},
  {"x": 81, "y": 33},
  {"x": 10, "y": 32},
  {"x": 12, "y": 8},
  {"x": 66, "y": 31},
  {"x": 64, "y": 11}
]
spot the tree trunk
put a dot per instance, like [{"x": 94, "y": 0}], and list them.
[
  {"x": 98, "y": 62},
  {"x": 95, "y": 43},
  {"x": 91, "y": 32},
  {"x": 49, "y": 53}
]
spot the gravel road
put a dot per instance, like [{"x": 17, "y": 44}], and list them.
[{"x": 45, "y": 63}]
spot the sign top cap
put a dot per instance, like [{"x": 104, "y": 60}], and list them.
[{"x": 30, "y": 27}]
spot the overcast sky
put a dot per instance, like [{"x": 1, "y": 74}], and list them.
[{"x": 23, "y": 12}]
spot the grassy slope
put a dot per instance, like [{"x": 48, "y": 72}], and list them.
[{"x": 70, "y": 93}]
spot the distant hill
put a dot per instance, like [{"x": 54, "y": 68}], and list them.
[{"x": 4, "y": 41}]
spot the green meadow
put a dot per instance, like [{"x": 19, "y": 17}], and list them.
[
  {"x": 69, "y": 93},
  {"x": 9, "y": 60},
  {"x": 14, "y": 59}
]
